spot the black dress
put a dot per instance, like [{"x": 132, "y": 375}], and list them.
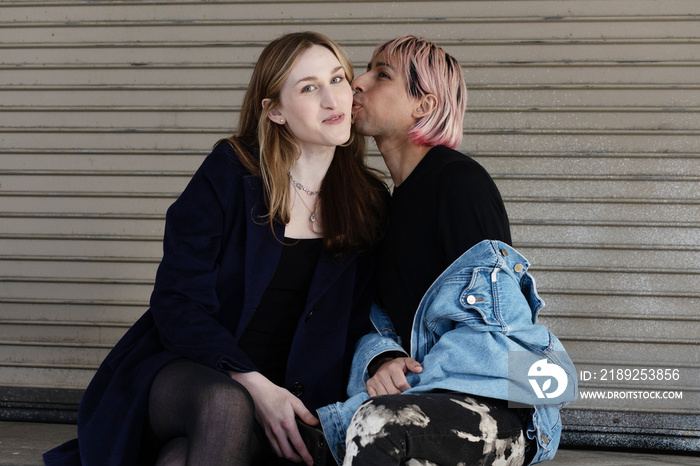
[{"x": 268, "y": 337}]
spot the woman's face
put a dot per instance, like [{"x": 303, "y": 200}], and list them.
[{"x": 316, "y": 101}]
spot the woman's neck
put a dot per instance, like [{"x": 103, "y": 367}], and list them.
[{"x": 310, "y": 168}]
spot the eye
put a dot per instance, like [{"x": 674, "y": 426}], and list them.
[
  {"x": 382, "y": 74},
  {"x": 308, "y": 88},
  {"x": 337, "y": 79}
]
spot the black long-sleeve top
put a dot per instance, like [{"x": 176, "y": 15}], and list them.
[{"x": 447, "y": 204}]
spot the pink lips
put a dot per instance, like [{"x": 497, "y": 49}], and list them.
[{"x": 335, "y": 119}]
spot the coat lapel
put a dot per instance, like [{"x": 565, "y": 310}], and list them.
[
  {"x": 262, "y": 254},
  {"x": 328, "y": 272}
]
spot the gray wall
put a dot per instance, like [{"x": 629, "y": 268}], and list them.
[{"x": 584, "y": 111}]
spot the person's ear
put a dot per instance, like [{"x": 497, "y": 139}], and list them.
[
  {"x": 427, "y": 105},
  {"x": 273, "y": 113}
]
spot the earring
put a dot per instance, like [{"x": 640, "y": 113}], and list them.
[{"x": 281, "y": 121}]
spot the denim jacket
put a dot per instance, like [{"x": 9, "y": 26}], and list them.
[{"x": 476, "y": 320}]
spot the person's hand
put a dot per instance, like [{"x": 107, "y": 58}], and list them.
[
  {"x": 390, "y": 378},
  {"x": 275, "y": 408}
]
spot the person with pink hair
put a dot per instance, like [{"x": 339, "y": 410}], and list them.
[{"x": 412, "y": 101}]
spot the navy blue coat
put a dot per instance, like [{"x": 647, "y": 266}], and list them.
[{"x": 219, "y": 257}]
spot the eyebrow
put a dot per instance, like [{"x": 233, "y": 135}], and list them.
[
  {"x": 315, "y": 78},
  {"x": 378, "y": 64}
]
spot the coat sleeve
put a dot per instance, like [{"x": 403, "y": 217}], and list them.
[{"x": 184, "y": 302}]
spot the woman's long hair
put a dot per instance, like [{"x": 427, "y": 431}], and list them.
[{"x": 352, "y": 197}]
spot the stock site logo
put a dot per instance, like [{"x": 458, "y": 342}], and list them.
[{"x": 542, "y": 370}]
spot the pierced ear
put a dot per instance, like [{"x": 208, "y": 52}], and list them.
[
  {"x": 273, "y": 113},
  {"x": 428, "y": 104}
]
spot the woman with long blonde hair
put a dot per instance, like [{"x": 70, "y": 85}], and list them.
[{"x": 263, "y": 290}]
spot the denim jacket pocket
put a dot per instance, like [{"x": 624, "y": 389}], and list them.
[{"x": 477, "y": 302}]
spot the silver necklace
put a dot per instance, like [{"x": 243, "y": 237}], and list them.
[
  {"x": 301, "y": 186},
  {"x": 312, "y": 217}
]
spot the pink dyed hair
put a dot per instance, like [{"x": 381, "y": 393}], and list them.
[{"x": 430, "y": 70}]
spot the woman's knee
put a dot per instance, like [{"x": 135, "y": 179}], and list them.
[
  {"x": 227, "y": 399},
  {"x": 185, "y": 392}
]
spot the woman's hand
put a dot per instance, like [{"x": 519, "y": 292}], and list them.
[
  {"x": 390, "y": 378},
  {"x": 275, "y": 410}
]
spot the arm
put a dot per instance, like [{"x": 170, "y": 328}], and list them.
[
  {"x": 184, "y": 302},
  {"x": 374, "y": 351}
]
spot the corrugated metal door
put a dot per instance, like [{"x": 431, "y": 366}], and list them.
[{"x": 585, "y": 112}]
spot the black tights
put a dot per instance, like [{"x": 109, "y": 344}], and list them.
[{"x": 202, "y": 416}]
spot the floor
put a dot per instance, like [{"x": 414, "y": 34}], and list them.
[{"x": 22, "y": 443}]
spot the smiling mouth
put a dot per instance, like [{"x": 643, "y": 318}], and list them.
[{"x": 334, "y": 118}]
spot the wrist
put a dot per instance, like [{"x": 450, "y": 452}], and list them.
[
  {"x": 246, "y": 378},
  {"x": 380, "y": 360}
]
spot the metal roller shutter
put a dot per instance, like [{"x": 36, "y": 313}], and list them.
[{"x": 585, "y": 112}]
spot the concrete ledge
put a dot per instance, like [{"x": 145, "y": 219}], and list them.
[
  {"x": 639, "y": 431},
  {"x": 567, "y": 457},
  {"x": 35, "y": 404},
  {"x": 23, "y": 443}
]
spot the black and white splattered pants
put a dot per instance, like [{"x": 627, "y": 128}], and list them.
[{"x": 437, "y": 428}]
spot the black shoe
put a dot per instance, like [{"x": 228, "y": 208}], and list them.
[{"x": 316, "y": 443}]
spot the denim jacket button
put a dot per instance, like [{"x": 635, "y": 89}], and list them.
[
  {"x": 518, "y": 268},
  {"x": 504, "y": 252},
  {"x": 471, "y": 299}
]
